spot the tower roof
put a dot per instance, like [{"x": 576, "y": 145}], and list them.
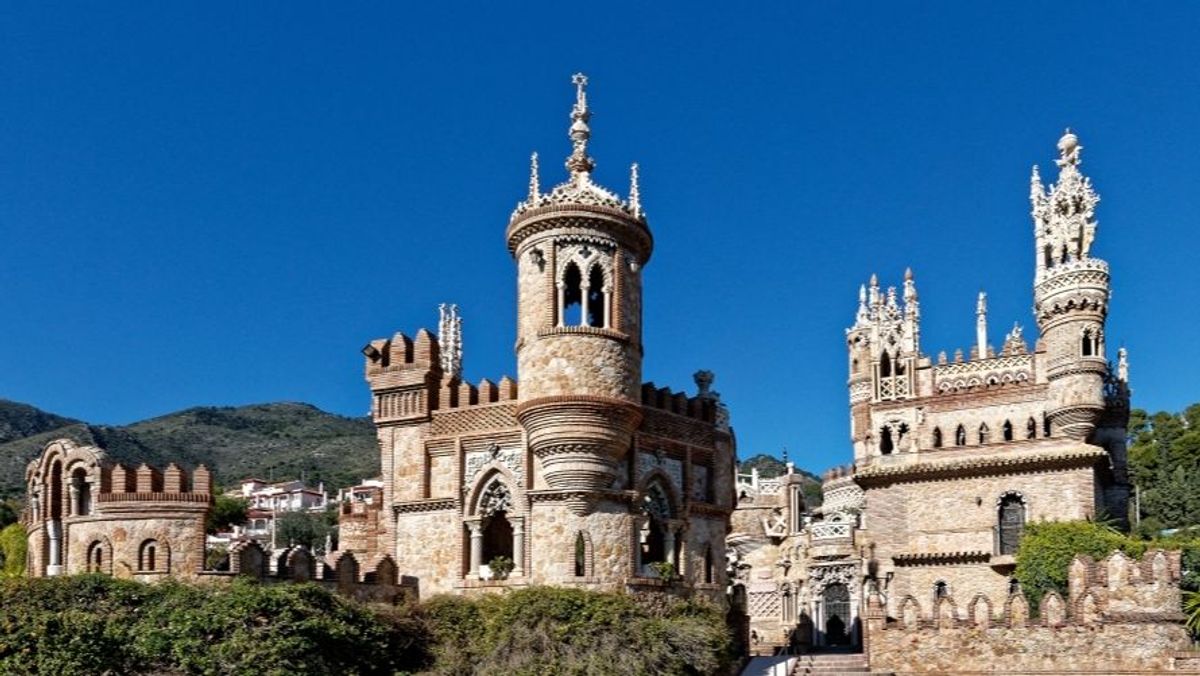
[{"x": 579, "y": 190}]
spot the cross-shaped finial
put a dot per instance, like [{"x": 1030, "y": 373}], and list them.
[{"x": 579, "y": 79}]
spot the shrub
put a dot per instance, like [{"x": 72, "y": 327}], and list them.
[
  {"x": 12, "y": 551},
  {"x": 552, "y": 630},
  {"x": 1047, "y": 548},
  {"x": 500, "y": 566}
]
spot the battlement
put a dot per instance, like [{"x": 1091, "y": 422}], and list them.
[
  {"x": 679, "y": 403},
  {"x": 145, "y": 483},
  {"x": 401, "y": 353},
  {"x": 1116, "y": 589},
  {"x": 455, "y": 394}
]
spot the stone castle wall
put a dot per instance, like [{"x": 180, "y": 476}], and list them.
[{"x": 1121, "y": 616}]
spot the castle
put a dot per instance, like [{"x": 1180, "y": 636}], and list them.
[
  {"x": 952, "y": 456},
  {"x": 577, "y": 473}
]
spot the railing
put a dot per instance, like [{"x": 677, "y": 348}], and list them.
[{"x": 831, "y": 531}]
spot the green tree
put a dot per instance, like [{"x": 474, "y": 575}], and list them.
[
  {"x": 1164, "y": 464},
  {"x": 9, "y": 512},
  {"x": 13, "y": 544},
  {"x": 226, "y": 512},
  {"x": 302, "y": 528}
]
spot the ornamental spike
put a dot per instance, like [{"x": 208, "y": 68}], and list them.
[
  {"x": 579, "y": 163},
  {"x": 635, "y": 195},
  {"x": 535, "y": 190}
]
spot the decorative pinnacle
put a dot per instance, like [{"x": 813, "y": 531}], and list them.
[
  {"x": 981, "y": 304},
  {"x": 535, "y": 190},
  {"x": 1068, "y": 149},
  {"x": 579, "y": 162},
  {"x": 635, "y": 195}
]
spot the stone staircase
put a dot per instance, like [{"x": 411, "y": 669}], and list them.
[{"x": 831, "y": 664}]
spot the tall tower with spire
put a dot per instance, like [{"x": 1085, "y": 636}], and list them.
[
  {"x": 580, "y": 251},
  {"x": 1070, "y": 293}
]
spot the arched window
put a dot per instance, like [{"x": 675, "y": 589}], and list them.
[
  {"x": 1031, "y": 429},
  {"x": 657, "y": 541},
  {"x": 81, "y": 491},
  {"x": 885, "y": 365},
  {"x": 937, "y": 437},
  {"x": 597, "y": 299},
  {"x": 1011, "y": 522},
  {"x": 1045, "y": 425},
  {"x": 941, "y": 590},
  {"x": 1086, "y": 348},
  {"x": 985, "y": 434},
  {"x": 708, "y": 565},
  {"x": 1014, "y": 586},
  {"x": 1008, "y": 432},
  {"x": 95, "y": 557},
  {"x": 580, "y": 555},
  {"x": 960, "y": 436},
  {"x": 494, "y": 503},
  {"x": 571, "y": 296},
  {"x": 148, "y": 556},
  {"x": 885, "y": 440}
]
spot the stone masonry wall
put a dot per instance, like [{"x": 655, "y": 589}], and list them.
[{"x": 1121, "y": 616}]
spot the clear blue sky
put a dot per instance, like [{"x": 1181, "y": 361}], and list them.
[{"x": 220, "y": 203}]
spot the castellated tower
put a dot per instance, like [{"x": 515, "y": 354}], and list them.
[
  {"x": 579, "y": 251},
  {"x": 581, "y": 474},
  {"x": 1070, "y": 294}
]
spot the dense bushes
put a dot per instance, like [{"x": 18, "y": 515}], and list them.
[
  {"x": 550, "y": 630},
  {"x": 93, "y": 624}
]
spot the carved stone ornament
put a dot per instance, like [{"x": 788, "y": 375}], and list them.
[
  {"x": 823, "y": 576},
  {"x": 495, "y": 498}
]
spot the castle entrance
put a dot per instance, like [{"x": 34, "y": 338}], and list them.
[{"x": 837, "y": 615}]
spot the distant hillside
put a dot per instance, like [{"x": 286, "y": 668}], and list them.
[{"x": 269, "y": 441}]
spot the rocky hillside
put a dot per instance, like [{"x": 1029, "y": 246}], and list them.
[{"x": 270, "y": 441}]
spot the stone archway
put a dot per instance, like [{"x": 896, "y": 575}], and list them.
[{"x": 834, "y": 606}]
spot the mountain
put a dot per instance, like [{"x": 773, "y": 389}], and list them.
[{"x": 268, "y": 441}]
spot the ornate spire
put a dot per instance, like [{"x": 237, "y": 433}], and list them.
[
  {"x": 535, "y": 190},
  {"x": 863, "y": 317},
  {"x": 635, "y": 195},
  {"x": 450, "y": 340},
  {"x": 981, "y": 325},
  {"x": 911, "y": 307},
  {"x": 1064, "y": 214},
  {"x": 579, "y": 163},
  {"x": 1123, "y": 365}
]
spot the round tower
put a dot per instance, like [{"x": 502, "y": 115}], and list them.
[
  {"x": 580, "y": 251},
  {"x": 1071, "y": 292}
]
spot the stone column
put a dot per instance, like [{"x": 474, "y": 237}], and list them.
[
  {"x": 518, "y": 547},
  {"x": 669, "y": 545},
  {"x": 54, "y": 532},
  {"x": 73, "y": 505},
  {"x": 476, "y": 547}
]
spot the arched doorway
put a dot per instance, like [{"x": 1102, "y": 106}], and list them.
[{"x": 836, "y": 602}]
